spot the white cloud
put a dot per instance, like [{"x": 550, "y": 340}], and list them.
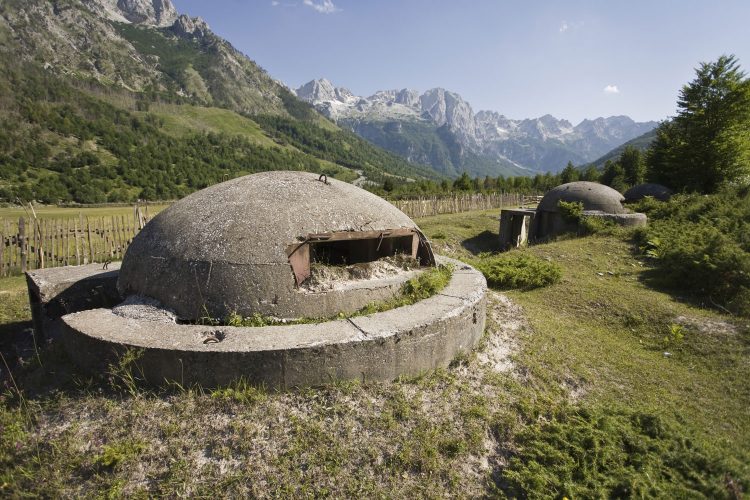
[
  {"x": 611, "y": 89},
  {"x": 566, "y": 26},
  {"x": 275, "y": 3},
  {"x": 322, "y": 6}
]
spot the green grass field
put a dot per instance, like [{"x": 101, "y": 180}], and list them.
[
  {"x": 181, "y": 120},
  {"x": 596, "y": 386},
  {"x": 55, "y": 212}
]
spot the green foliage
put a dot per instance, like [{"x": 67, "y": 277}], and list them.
[
  {"x": 125, "y": 374},
  {"x": 612, "y": 452},
  {"x": 241, "y": 392},
  {"x": 295, "y": 107},
  {"x": 423, "y": 286},
  {"x": 61, "y": 144},
  {"x": 569, "y": 174},
  {"x": 591, "y": 174},
  {"x": 517, "y": 269},
  {"x": 708, "y": 143},
  {"x": 700, "y": 244},
  {"x": 596, "y": 225},
  {"x": 675, "y": 335},
  {"x": 641, "y": 143},
  {"x": 117, "y": 453},
  {"x": 198, "y": 66},
  {"x": 463, "y": 183},
  {"x": 633, "y": 166},
  {"x": 340, "y": 147},
  {"x": 570, "y": 211},
  {"x": 614, "y": 176}
]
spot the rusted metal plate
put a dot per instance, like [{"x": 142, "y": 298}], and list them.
[
  {"x": 299, "y": 259},
  {"x": 425, "y": 254},
  {"x": 360, "y": 235}
]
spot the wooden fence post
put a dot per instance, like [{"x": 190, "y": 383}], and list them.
[
  {"x": 2, "y": 252},
  {"x": 77, "y": 241},
  {"x": 91, "y": 240},
  {"x": 22, "y": 242}
]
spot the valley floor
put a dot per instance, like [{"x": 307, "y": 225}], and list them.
[{"x": 599, "y": 385}]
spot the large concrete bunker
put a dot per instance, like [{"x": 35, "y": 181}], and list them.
[
  {"x": 252, "y": 246},
  {"x": 518, "y": 226},
  {"x": 245, "y": 246}
]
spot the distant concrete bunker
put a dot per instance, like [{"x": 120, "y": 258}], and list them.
[
  {"x": 285, "y": 245},
  {"x": 520, "y": 226}
]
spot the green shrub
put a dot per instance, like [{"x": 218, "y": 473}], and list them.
[
  {"x": 116, "y": 453},
  {"x": 597, "y": 452},
  {"x": 596, "y": 225},
  {"x": 571, "y": 211},
  {"x": 701, "y": 244},
  {"x": 421, "y": 287},
  {"x": 517, "y": 269}
]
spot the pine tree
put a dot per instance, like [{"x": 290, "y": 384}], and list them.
[
  {"x": 613, "y": 176},
  {"x": 569, "y": 173},
  {"x": 708, "y": 142},
  {"x": 632, "y": 165}
]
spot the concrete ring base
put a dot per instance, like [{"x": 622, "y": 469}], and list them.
[{"x": 380, "y": 347}]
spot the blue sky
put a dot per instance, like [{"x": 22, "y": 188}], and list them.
[{"x": 574, "y": 60}]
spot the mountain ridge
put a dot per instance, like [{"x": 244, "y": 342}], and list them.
[{"x": 533, "y": 144}]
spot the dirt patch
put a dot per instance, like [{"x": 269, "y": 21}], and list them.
[
  {"x": 707, "y": 326},
  {"x": 507, "y": 323}
]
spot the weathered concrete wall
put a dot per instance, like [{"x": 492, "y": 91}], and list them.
[
  {"x": 517, "y": 227},
  {"x": 58, "y": 291},
  {"x": 404, "y": 341}
]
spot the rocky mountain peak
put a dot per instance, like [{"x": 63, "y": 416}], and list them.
[
  {"x": 448, "y": 108},
  {"x": 407, "y": 97},
  {"x": 159, "y": 13},
  {"x": 186, "y": 26},
  {"x": 323, "y": 90}
]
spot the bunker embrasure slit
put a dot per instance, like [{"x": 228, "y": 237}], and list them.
[{"x": 343, "y": 248}]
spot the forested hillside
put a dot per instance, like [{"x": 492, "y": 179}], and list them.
[{"x": 89, "y": 127}]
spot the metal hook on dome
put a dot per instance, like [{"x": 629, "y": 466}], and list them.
[{"x": 323, "y": 178}]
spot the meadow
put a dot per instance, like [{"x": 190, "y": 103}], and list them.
[{"x": 598, "y": 385}]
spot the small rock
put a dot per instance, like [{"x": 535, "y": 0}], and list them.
[
  {"x": 667, "y": 354},
  {"x": 600, "y": 274}
]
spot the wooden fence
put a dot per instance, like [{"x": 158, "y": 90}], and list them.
[
  {"x": 435, "y": 205},
  {"x": 35, "y": 243}
]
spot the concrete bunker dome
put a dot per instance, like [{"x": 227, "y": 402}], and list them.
[
  {"x": 244, "y": 246},
  {"x": 640, "y": 191},
  {"x": 592, "y": 195}
]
